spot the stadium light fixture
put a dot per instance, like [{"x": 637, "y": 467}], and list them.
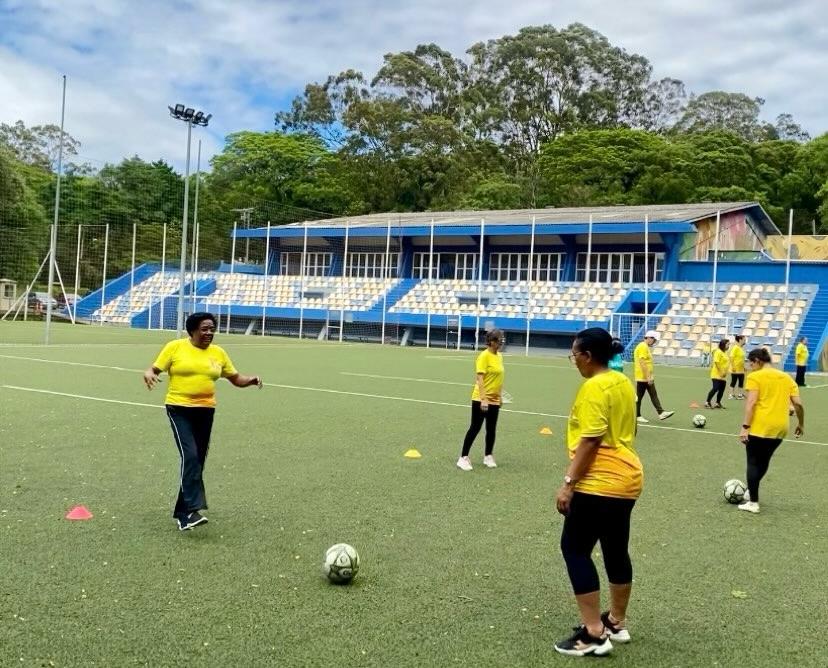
[{"x": 190, "y": 116}]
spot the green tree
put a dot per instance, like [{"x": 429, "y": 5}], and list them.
[{"x": 38, "y": 145}]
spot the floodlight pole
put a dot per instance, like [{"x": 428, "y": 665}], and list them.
[
  {"x": 189, "y": 116},
  {"x": 179, "y": 319},
  {"x": 53, "y": 236}
]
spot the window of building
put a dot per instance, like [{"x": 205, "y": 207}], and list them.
[
  {"x": 372, "y": 265},
  {"x": 316, "y": 264}
]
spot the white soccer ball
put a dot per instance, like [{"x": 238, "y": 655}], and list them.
[
  {"x": 341, "y": 563},
  {"x": 699, "y": 421},
  {"x": 735, "y": 491}
]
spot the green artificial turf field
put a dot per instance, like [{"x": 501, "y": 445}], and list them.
[{"x": 457, "y": 568}]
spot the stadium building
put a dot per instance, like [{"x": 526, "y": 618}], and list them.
[{"x": 443, "y": 278}]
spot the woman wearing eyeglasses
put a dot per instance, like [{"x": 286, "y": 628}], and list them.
[
  {"x": 769, "y": 394},
  {"x": 486, "y": 400},
  {"x": 602, "y": 482}
]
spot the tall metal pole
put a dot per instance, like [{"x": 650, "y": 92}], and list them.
[
  {"x": 54, "y": 237},
  {"x": 430, "y": 278},
  {"x": 194, "y": 261},
  {"x": 181, "y": 272},
  {"x": 386, "y": 273},
  {"x": 266, "y": 279},
  {"x": 529, "y": 283},
  {"x": 589, "y": 252},
  {"x": 232, "y": 268},
  {"x": 132, "y": 266},
  {"x": 103, "y": 271},
  {"x": 344, "y": 275},
  {"x": 716, "y": 259},
  {"x": 479, "y": 288},
  {"x": 787, "y": 277},
  {"x": 646, "y": 271},
  {"x": 77, "y": 276},
  {"x": 302, "y": 281},
  {"x": 163, "y": 277}
]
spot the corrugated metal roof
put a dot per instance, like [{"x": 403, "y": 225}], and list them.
[{"x": 602, "y": 214}]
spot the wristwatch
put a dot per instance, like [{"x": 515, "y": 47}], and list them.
[
  {"x": 568, "y": 480},
  {"x": 745, "y": 426}
]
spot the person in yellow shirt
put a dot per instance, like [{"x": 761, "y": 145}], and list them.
[
  {"x": 718, "y": 374},
  {"x": 602, "y": 482},
  {"x": 801, "y": 358},
  {"x": 770, "y": 392},
  {"x": 737, "y": 368},
  {"x": 194, "y": 365},
  {"x": 486, "y": 400},
  {"x": 644, "y": 379}
]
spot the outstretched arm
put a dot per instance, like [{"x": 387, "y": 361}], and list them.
[
  {"x": 151, "y": 377},
  {"x": 240, "y": 380}
]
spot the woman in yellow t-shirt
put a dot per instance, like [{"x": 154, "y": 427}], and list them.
[
  {"x": 486, "y": 400},
  {"x": 770, "y": 392},
  {"x": 718, "y": 374},
  {"x": 194, "y": 365},
  {"x": 737, "y": 368},
  {"x": 602, "y": 482}
]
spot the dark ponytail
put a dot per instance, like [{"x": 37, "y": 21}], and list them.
[{"x": 599, "y": 344}]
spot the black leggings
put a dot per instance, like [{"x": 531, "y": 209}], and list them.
[
  {"x": 717, "y": 389},
  {"x": 737, "y": 380},
  {"x": 759, "y": 452},
  {"x": 640, "y": 388},
  {"x": 591, "y": 519},
  {"x": 191, "y": 428},
  {"x": 478, "y": 416}
]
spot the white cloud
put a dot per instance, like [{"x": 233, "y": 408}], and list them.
[{"x": 241, "y": 60}]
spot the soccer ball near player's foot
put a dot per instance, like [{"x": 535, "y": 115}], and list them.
[
  {"x": 341, "y": 563},
  {"x": 734, "y": 491},
  {"x": 699, "y": 421}
]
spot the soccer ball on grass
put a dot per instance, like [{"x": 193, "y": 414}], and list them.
[
  {"x": 735, "y": 491},
  {"x": 699, "y": 421},
  {"x": 341, "y": 563}
]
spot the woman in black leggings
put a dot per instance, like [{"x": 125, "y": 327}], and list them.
[
  {"x": 486, "y": 401},
  {"x": 718, "y": 375},
  {"x": 602, "y": 482},
  {"x": 770, "y": 393}
]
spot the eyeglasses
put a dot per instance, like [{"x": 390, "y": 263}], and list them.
[{"x": 573, "y": 356}]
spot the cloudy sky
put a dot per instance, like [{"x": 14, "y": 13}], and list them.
[{"x": 242, "y": 60}]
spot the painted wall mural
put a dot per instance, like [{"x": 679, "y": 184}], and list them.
[
  {"x": 803, "y": 247},
  {"x": 737, "y": 233}
]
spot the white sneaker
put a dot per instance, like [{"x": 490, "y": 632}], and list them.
[
  {"x": 749, "y": 506},
  {"x": 464, "y": 463},
  {"x": 730, "y": 396},
  {"x": 746, "y": 497},
  {"x": 666, "y": 414},
  {"x": 489, "y": 462},
  {"x": 642, "y": 420}
]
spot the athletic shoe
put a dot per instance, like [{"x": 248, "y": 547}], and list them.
[
  {"x": 707, "y": 404},
  {"x": 581, "y": 643},
  {"x": 749, "y": 506},
  {"x": 464, "y": 463},
  {"x": 642, "y": 420},
  {"x": 192, "y": 520},
  {"x": 616, "y": 632},
  {"x": 489, "y": 462},
  {"x": 730, "y": 396},
  {"x": 718, "y": 406},
  {"x": 666, "y": 414},
  {"x": 746, "y": 497}
]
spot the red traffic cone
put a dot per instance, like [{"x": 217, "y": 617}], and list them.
[{"x": 79, "y": 513}]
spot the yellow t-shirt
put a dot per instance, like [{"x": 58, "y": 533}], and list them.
[
  {"x": 720, "y": 365},
  {"x": 737, "y": 360},
  {"x": 605, "y": 406},
  {"x": 491, "y": 366},
  {"x": 193, "y": 372},
  {"x": 770, "y": 417},
  {"x": 801, "y": 354},
  {"x": 642, "y": 354}
]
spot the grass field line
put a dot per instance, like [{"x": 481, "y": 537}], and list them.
[
  {"x": 356, "y": 394},
  {"x": 79, "y": 396},
  {"x": 414, "y": 380}
]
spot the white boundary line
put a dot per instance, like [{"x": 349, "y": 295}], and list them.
[
  {"x": 78, "y": 396},
  {"x": 367, "y": 396},
  {"x": 414, "y": 380}
]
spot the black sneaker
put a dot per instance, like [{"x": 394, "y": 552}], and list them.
[
  {"x": 581, "y": 643},
  {"x": 191, "y": 521},
  {"x": 616, "y": 633}
]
